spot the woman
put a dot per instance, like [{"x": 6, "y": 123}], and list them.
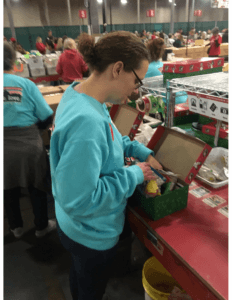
[
  {"x": 40, "y": 46},
  {"x": 71, "y": 65},
  {"x": 156, "y": 50},
  {"x": 153, "y": 37},
  {"x": 90, "y": 183},
  {"x": 179, "y": 42},
  {"x": 203, "y": 35},
  {"x": 50, "y": 46},
  {"x": 25, "y": 158},
  {"x": 59, "y": 46},
  {"x": 215, "y": 42}
]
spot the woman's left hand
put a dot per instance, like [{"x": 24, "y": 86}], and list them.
[{"x": 154, "y": 163}]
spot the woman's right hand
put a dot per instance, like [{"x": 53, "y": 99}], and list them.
[{"x": 147, "y": 172}]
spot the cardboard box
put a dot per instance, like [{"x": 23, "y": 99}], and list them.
[
  {"x": 36, "y": 66},
  {"x": 53, "y": 100},
  {"x": 199, "y": 43},
  {"x": 46, "y": 90},
  {"x": 126, "y": 119},
  {"x": 193, "y": 65},
  {"x": 210, "y": 129},
  {"x": 178, "y": 153}
]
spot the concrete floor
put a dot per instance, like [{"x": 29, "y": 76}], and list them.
[{"x": 39, "y": 268}]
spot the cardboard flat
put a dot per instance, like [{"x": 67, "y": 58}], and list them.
[
  {"x": 46, "y": 90},
  {"x": 53, "y": 100},
  {"x": 178, "y": 152}
]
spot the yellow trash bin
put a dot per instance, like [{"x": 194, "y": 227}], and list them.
[{"x": 157, "y": 281}]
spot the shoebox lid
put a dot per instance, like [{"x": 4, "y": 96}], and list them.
[
  {"x": 193, "y": 65},
  {"x": 179, "y": 153},
  {"x": 126, "y": 119},
  {"x": 53, "y": 100},
  {"x": 46, "y": 90}
]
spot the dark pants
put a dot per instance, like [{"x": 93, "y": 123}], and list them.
[
  {"x": 39, "y": 206},
  {"x": 90, "y": 269},
  {"x": 213, "y": 55}
]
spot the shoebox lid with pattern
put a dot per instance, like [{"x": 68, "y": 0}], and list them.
[
  {"x": 210, "y": 129},
  {"x": 126, "y": 119},
  {"x": 181, "y": 154},
  {"x": 193, "y": 65},
  {"x": 46, "y": 90}
]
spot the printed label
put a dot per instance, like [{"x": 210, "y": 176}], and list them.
[
  {"x": 210, "y": 107},
  {"x": 199, "y": 192},
  {"x": 193, "y": 184},
  {"x": 214, "y": 200},
  {"x": 224, "y": 210},
  {"x": 12, "y": 95}
]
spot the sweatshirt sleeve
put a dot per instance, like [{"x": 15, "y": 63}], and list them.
[
  {"x": 59, "y": 66},
  {"x": 79, "y": 185},
  {"x": 135, "y": 149}
]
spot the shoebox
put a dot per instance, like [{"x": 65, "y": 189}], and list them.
[
  {"x": 182, "y": 114},
  {"x": 181, "y": 154},
  {"x": 50, "y": 63},
  {"x": 210, "y": 129},
  {"x": 192, "y": 67},
  {"x": 126, "y": 119}
]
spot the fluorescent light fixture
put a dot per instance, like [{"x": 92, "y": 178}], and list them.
[
  {"x": 174, "y": 4},
  {"x": 124, "y": 1},
  {"x": 99, "y": 1},
  {"x": 170, "y": 1}
]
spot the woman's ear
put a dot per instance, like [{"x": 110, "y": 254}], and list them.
[{"x": 117, "y": 68}]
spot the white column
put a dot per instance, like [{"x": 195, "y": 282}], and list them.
[
  {"x": 69, "y": 12},
  {"x": 172, "y": 16},
  {"x": 187, "y": 11},
  {"x": 155, "y": 11},
  {"x": 10, "y": 18},
  {"x": 138, "y": 11}
]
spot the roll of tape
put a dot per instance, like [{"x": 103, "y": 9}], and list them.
[{"x": 144, "y": 104}]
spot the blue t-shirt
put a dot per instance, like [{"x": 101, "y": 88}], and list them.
[
  {"x": 181, "y": 97},
  {"x": 90, "y": 183},
  {"x": 24, "y": 104},
  {"x": 153, "y": 69}
]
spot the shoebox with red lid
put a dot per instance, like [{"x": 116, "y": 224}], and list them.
[
  {"x": 126, "y": 119},
  {"x": 210, "y": 129},
  {"x": 181, "y": 154},
  {"x": 192, "y": 67}
]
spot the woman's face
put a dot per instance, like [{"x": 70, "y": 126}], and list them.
[{"x": 128, "y": 83}]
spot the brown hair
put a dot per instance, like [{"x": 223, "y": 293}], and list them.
[
  {"x": 155, "y": 48},
  {"x": 111, "y": 48},
  {"x": 9, "y": 56}
]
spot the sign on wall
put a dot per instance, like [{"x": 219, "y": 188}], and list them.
[
  {"x": 220, "y": 3},
  {"x": 82, "y": 14},
  {"x": 150, "y": 13},
  {"x": 198, "y": 13}
]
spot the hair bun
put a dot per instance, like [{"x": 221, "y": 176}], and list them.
[{"x": 86, "y": 46}]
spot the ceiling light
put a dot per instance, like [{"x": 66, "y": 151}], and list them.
[
  {"x": 170, "y": 1},
  {"x": 124, "y": 1},
  {"x": 99, "y": 1},
  {"x": 174, "y": 4}
]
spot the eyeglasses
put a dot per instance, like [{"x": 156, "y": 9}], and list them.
[{"x": 139, "y": 80}]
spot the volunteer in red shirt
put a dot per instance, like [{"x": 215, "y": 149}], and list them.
[
  {"x": 40, "y": 46},
  {"x": 153, "y": 35},
  {"x": 215, "y": 43},
  {"x": 71, "y": 65}
]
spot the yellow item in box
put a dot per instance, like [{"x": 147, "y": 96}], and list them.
[{"x": 152, "y": 188}]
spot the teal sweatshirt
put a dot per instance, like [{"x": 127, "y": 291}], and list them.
[{"x": 90, "y": 183}]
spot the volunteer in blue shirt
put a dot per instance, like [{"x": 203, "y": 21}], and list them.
[
  {"x": 25, "y": 159},
  {"x": 89, "y": 180},
  {"x": 156, "y": 50}
]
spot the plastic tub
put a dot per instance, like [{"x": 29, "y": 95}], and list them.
[{"x": 157, "y": 281}]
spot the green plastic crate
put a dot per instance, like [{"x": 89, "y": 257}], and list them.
[{"x": 164, "y": 205}]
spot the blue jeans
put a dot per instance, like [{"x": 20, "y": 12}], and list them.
[{"x": 90, "y": 269}]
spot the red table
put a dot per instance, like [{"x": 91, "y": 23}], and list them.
[
  {"x": 192, "y": 244},
  {"x": 46, "y": 78}
]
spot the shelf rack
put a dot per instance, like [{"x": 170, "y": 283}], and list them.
[{"x": 215, "y": 84}]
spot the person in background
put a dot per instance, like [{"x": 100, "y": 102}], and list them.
[
  {"x": 154, "y": 35},
  {"x": 59, "y": 46},
  {"x": 191, "y": 35},
  {"x": 171, "y": 38},
  {"x": 199, "y": 35},
  {"x": 50, "y": 37},
  {"x": 25, "y": 159},
  {"x": 71, "y": 65},
  {"x": 161, "y": 35},
  {"x": 179, "y": 42},
  {"x": 204, "y": 35},
  {"x": 4, "y": 39},
  {"x": 50, "y": 46},
  {"x": 64, "y": 38},
  {"x": 215, "y": 42},
  {"x": 40, "y": 45},
  {"x": 90, "y": 182},
  {"x": 225, "y": 37},
  {"x": 156, "y": 50},
  {"x": 55, "y": 42},
  {"x": 209, "y": 34}
]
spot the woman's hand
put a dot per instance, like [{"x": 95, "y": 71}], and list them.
[
  {"x": 147, "y": 172},
  {"x": 154, "y": 163}
]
